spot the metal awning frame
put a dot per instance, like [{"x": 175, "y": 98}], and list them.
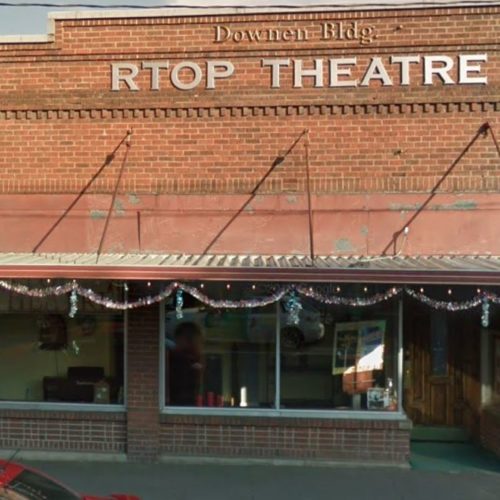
[{"x": 309, "y": 274}]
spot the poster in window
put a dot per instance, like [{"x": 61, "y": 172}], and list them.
[{"x": 358, "y": 354}]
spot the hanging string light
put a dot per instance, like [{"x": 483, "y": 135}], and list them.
[
  {"x": 290, "y": 293},
  {"x": 348, "y": 301},
  {"x": 443, "y": 304},
  {"x": 273, "y": 297}
]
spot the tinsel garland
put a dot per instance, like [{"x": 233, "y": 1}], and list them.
[
  {"x": 443, "y": 304},
  {"x": 289, "y": 293},
  {"x": 346, "y": 301},
  {"x": 235, "y": 304}
]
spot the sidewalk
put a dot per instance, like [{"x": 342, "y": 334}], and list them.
[{"x": 239, "y": 482}]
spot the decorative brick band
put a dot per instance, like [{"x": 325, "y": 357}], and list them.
[
  {"x": 341, "y": 184},
  {"x": 244, "y": 111}
]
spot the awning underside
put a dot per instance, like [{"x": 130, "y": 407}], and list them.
[
  {"x": 468, "y": 263},
  {"x": 436, "y": 268}
]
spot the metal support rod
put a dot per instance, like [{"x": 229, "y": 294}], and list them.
[
  {"x": 278, "y": 161},
  {"x": 125, "y": 346},
  {"x": 163, "y": 359},
  {"x": 400, "y": 383},
  {"x": 139, "y": 230},
  {"x": 483, "y": 129},
  {"x": 497, "y": 145},
  {"x": 277, "y": 392},
  {"x": 309, "y": 206},
  {"x": 109, "y": 158},
  {"x": 115, "y": 192}
]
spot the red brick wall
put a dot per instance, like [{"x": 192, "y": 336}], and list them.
[
  {"x": 55, "y": 101},
  {"x": 59, "y": 120},
  {"x": 287, "y": 438},
  {"x": 490, "y": 428},
  {"x": 384, "y": 150},
  {"x": 143, "y": 389},
  {"x": 63, "y": 431}
]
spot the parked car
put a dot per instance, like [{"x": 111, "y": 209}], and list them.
[
  {"x": 18, "y": 482},
  {"x": 254, "y": 325}
]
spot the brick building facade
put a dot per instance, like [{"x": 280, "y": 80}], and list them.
[{"x": 206, "y": 123}]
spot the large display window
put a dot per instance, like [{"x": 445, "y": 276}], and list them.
[
  {"x": 220, "y": 357},
  {"x": 330, "y": 357},
  {"x": 50, "y": 358}
]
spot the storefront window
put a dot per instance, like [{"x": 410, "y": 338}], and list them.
[
  {"x": 46, "y": 356},
  {"x": 348, "y": 364},
  {"x": 220, "y": 357},
  {"x": 333, "y": 358}
]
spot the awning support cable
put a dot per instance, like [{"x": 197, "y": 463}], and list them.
[
  {"x": 497, "y": 145},
  {"x": 109, "y": 158},
  {"x": 128, "y": 144},
  {"x": 277, "y": 161},
  {"x": 309, "y": 206},
  {"x": 482, "y": 131}
]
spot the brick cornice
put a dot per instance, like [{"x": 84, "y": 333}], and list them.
[
  {"x": 294, "y": 15},
  {"x": 238, "y": 111}
]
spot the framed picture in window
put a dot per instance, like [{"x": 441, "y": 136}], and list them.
[
  {"x": 358, "y": 354},
  {"x": 377, "y": 399}
]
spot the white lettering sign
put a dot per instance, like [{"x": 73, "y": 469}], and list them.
[
  {"x": 465, "y": 68},
  {"x": 387, "y": 71},
  {"x": 340, "y": 67}
]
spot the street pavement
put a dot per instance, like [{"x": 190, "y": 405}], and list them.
[{"x": 174, "y": 481}]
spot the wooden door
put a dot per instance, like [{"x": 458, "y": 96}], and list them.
[{"x": 441, "y": 368}]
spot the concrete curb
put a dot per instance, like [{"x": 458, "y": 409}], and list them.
[{"x": 242, "y": 461}]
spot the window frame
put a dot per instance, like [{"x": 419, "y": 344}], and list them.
[
  {"x": 80, "y": 407},
  {"x": 398, "y": 414}
]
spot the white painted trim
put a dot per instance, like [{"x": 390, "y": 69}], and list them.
[
  {"x": 400, "y": 355},
  {"x": 259, "y": 412},
  {"x": 252, "y": 8},
  {"x": 486, "y": 365},
  {"x": 162, "y": 354},
  {"x": 277, "y": 357},
  {"x": 67, "y": 407},
  {"x": 125, "y": 350},
  {"x": 13, "y": 39}
]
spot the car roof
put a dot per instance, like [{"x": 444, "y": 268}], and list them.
[{"x": 10, "y": 470}]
